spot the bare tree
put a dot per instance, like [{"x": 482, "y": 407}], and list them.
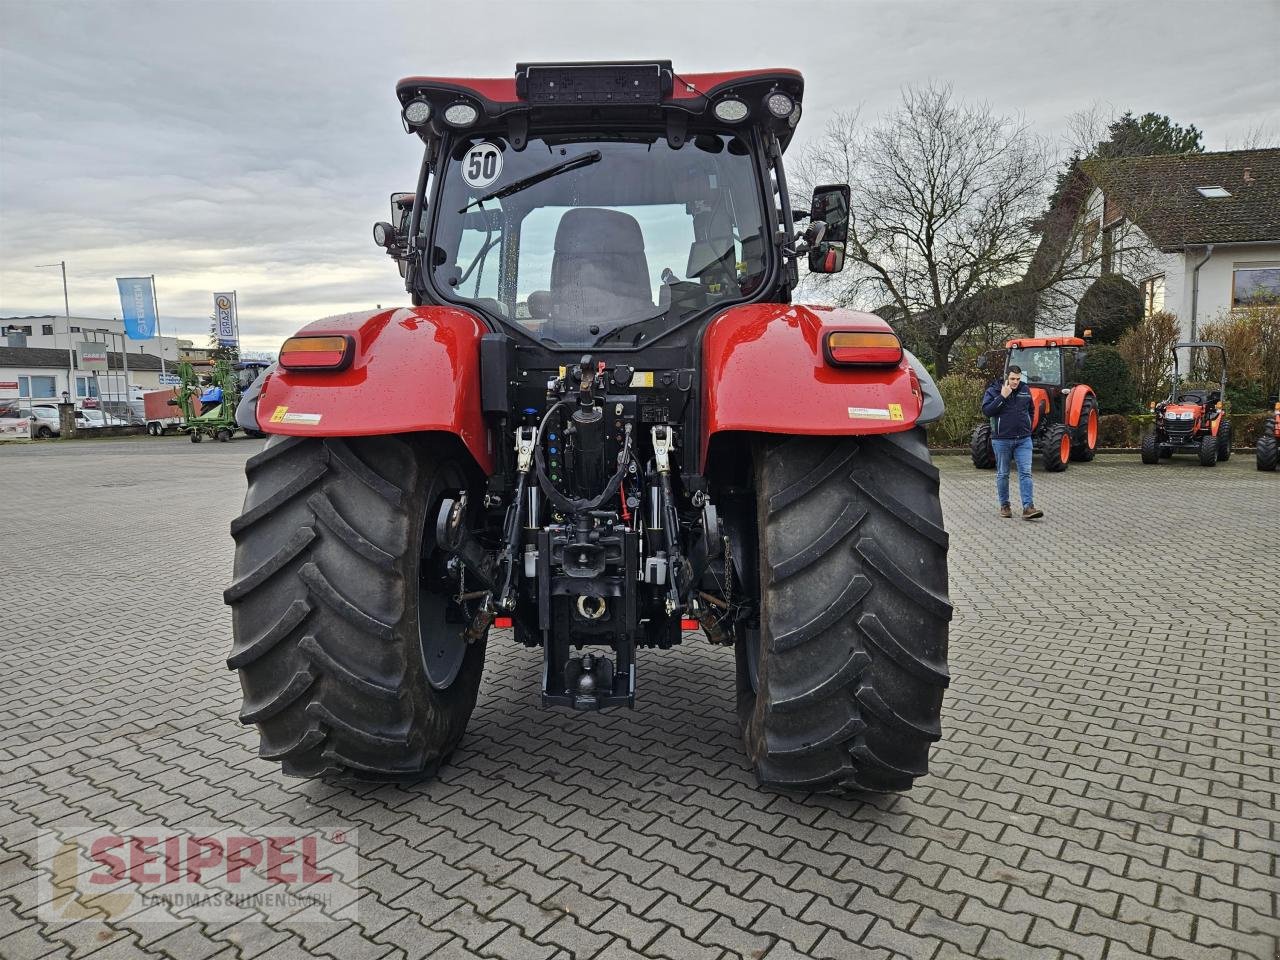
[
  {"x": 945, "y": 195},
  {"x": 1260, "y": 136},
  {"x": 954, "y": 239}
]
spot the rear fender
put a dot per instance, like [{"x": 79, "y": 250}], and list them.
[
  {"x": 1040, "y": 406},
  {"x": 764, "y": 371},
  {"x": 413, "y": 369},
  {"x": 1075, "y": 403}
]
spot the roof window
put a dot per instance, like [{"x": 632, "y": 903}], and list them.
[{"x": 1213, "y": 193}]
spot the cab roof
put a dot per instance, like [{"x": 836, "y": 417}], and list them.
[
  {"x": 1028, "y": 342},
  {"x": 605, "y": 93}
]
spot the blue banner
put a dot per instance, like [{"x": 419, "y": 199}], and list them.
[{"x": 139, "y": 306}]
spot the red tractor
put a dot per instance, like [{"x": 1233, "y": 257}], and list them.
[
  {"x": 1064, "y": 423},
  {"x": 1193, "y": 419},
  {"x": 1268, "y": 447},
  {"x": 602, "y": 414}
]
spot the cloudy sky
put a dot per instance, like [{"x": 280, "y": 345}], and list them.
[{"x": 250, "y": 145}]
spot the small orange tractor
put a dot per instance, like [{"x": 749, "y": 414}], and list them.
[
  {"x": 1064, "y": 422},
  {"x": 1193, "y": 419},
  {"x": 1269, "y": 440}
]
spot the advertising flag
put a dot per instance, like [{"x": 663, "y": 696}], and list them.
[
  {"x": 137, "y": 301},
  {"x": 224, "y": 307}
]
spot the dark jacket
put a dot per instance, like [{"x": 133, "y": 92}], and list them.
[{"x": 1010, "y": 416}]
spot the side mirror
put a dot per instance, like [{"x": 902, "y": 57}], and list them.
[
  {"x": 981, "y": 361},
  {"x": 401, "y": 207},
  {"x": 830, "y": 207}
]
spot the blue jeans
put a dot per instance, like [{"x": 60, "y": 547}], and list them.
[{"x": 1019, "y": 451}]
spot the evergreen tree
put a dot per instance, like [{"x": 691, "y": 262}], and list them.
[{"x": 1148, "y": 135}]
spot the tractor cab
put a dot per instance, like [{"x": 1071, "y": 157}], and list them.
[
  {"x": 248, "y": 371},
  {"x": 602, "y": 206}
]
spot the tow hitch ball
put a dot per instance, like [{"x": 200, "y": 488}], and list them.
[{"x": 584, "y": 676}]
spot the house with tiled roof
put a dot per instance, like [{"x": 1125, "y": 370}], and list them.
[{"x": 1197, "y": 233}]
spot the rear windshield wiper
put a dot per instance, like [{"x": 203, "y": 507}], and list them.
[
  {"x": 628, "y": 326},
  {"x": 564, "y": 166}
]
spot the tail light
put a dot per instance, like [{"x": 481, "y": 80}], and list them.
[
  {"x": 316, "y": 353},
  {"x": 863, "y": 348}
]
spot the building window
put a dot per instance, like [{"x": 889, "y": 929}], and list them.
[
  {"x": 1254, "y": 285},
  {"x": 46, "y": 329},
  {"x": 75, "y": 329},
  {"x": 1152, "y": 295},
  {"x": 86, "y": 387},
  {"x": 1089, "y": 242},
  {"x": 37, "y": 388}
]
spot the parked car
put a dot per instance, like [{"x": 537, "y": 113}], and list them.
[
  {"x": 47, "y": 422},
  {"x": 96, "y": 418},
  {"x": 14, "y": 423}
]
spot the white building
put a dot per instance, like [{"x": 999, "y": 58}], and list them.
[
  {"x": 1198, "y": 234},
  {"x": 38, "y": 360},
  {"x": 55, "y": 332}
]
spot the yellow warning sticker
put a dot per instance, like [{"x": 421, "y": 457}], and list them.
[
  {"x": 642, "y": 378},
  {"x": 870, "y": 413},
  {"x": 895, "y": 411},
  {"x": 278, "y": 416}
]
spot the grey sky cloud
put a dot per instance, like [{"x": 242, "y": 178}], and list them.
[{"x": 251, "y": 145}]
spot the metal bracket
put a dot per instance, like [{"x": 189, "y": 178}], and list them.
[
  {"x": 663, "y": 441},
  {"x": 526, "y": 440}
]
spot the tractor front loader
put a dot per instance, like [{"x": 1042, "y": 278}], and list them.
[{"x": 602, "y": 414}]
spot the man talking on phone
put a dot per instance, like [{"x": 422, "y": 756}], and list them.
[{"x": 1009, "y": 406}]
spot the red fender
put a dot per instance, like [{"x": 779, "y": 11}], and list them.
[
  {"x": 1075, "y": 403},
  {"x": 413, "y": 369},
  {"x": 764, "y": 371}
]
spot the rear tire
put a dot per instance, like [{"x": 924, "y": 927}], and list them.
[
  {"x": 43, "y": 433},
  {"x": 1224, "y": 441},
  {"x": 1150, "y": 448},
  {"x": 339, "y": 593},
  {"x": 841, "y": 687},
  {"x": 1084, "y": 443},
  {"x": 1208, "y": 450},
  {"x": 1268, "y": 448},
  {"x": 980, "y": 449},
  {"x": 1056, "y": 448}
]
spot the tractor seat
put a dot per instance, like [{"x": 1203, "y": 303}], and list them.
[
  {"x": 1191, "y": 396},
  {"x": 599, "y": 274}
]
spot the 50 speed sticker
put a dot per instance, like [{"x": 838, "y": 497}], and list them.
[{"x": 482, "y": 165}]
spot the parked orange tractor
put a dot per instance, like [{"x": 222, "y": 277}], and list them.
[
  {"x": 1064, "y": 422},
  {"x": 1193, "y": 419}
]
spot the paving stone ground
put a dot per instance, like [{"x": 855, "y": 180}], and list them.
[{"x": 1106, "y": 789}]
